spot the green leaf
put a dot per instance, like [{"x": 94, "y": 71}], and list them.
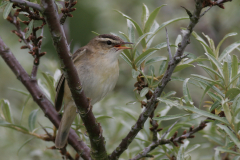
[
  {"x": 224, "y": 38},
  {"x": 6, "y": 110},
  {"x": 211, "y": 70},
  {"x": 13, "y": 126},
  {"x": 101, "y": 117},
  {"x": 59, "y": 6},
  {"x": 3, "y": 3},
  {"x": 233, "y": 79},
  {"x": 226, "y": 150},
  {"x": 131, "y": 103},
  {"x": 155, "y": 59},
  {"x": 95, "y": 33},
  {"x": 144, "y": 91},
  {"x": 135, "y": 73},
  {"x": 20, "y": 91},
  {"x": 231, "y": 134},
  {"x": 192, "y": 148},
  {"x": 145, "y": 14},
  {"x": 30, "y": 28},
  {"x": 151, "y": 19},
  {"x": 125, "y": 58},
  {"x": 232, "y": 93},
  {"x": 24, "y": 144},
  {"x": 170, "y": 117},
  {"x": 228, "y": 50},
  {"x": 131, "y": 31},
  {"x": 7, "y": 10},
  {"x": 217, "y": 64},
  {"x": 168, "y": 101},
  {"x": 167, "y": 23},
  {"x": 148, "y": 53},
  {"x": 178, "y": 40},
  {"x": 182, "y": 66},
  {"x": 138, "y": 41},
  {"x": 234, "y": 68},
  {"x": 32, "y": 119},
  {"x": 214, "y": 139},
  {"x": 50, "y": 84},
  {"x": 226, "y": 73},
  {"x": 210, "y": 42},
  {"x": 186, "y": 93},
  {"x": 207, "y": 79},
  {"x": 162, "y": 67},
  {"x": 171, "y": 93},
  {"x": 206, "y": 114},
  {"x": 128, "y": 111},
  {"x": 226, "y": 110}
]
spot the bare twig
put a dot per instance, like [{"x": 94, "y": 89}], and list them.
[
  {"x": 173, "y": 139},
  {"x": 194, "y": 19},
  {"x": 40, "y": 99},
  {"x": 29, "y": 4},
  {"x": 168, "y": 44},
  {"x": 59, "y": 39}
]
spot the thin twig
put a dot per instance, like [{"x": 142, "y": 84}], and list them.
[
  {"x": 29, "y": 4},
  {"x": 168, "y": 44}
]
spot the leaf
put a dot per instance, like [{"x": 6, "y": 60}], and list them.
[
  {"x": 214, "y": 61},
  {"x": 145, "y": 14},
  {"x": 224, "y": 38},
  {"x": 232, "y": 93},
  {"x": 13, "y": 126},
  {"x": 208, "y": 79},
  {"x": 162, "y": 67},
  {"x": 231, "y": 135},
  {"x": 138, "y": 61},
  {"x": 60, "y": 7},
  {"x": 214, "y": 139},
  {"x": 144, "y": 91},
  {"x": 50, "y": 84},
  {"x": 234, "y": 68},
  {"x": 95, "y": 33},
  {"x": 226, "y": 150},
  {"x": 139, "y": 40},
  {"x": 151, "y": 19},
  {"x": 24, "y": 144},
  {"x": 226, "y": 110},
  {"x": 126, "y": 59},
  {"x": 155, "y": 59},
  {"x": 32, "y": 119},
  {"x": 170, "y": 117},
  {"x": 30, "y": 28},
  {"x": 211, "y": 70},
  {"x": 6, "y": 110},
  {"x": 131, "y": 32},
  {"x": 7, "y": 10},
  {"x": 182, "y": 66},
  {"x": 101, "y": 117},
  {"x": 167, "y": 23},
  {"x": 192, "y": 148},
  {"x": 167, "y": 101},
  {"x": 226, "y": 73},
  {"x": 228, "y": 50},
  {"x": 233, "y": 79},
  {"x": 3, "y": 3},
  {"x": 135, "y": 73},
  {"x": 206, "y": 114},
  {"x": 171, "y": 93},
  {"x": 131, "y": 103},
  {"x": 186, "y": 93},
  {"x": 20, "y": 91}
]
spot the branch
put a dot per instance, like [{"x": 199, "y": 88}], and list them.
[
  {"x": 40, "y": 99},
  {"x": 29, "y": 4},
  {"x": 173, "y": 140},
  {"x": 162, "y": 84},
  {"x": 93, "y": 128},
  {"x": 66, "y": 11}
]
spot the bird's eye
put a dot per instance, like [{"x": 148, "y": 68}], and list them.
[{"x": 109, "y": 42}]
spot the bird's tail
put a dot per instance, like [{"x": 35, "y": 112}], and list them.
[{"x": 65, "y": 125}]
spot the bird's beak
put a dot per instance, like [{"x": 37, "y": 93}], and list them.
[{"x": 123, "y": 47}]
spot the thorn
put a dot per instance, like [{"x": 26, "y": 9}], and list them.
[{"x": 188, "y": 12}]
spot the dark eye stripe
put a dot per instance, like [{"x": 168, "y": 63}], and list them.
[{"x": 109, "y": 42}]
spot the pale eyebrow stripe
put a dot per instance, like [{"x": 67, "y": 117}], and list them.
[{"x": 106, "y": 39}]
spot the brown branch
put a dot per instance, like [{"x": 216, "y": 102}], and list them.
[
  {"x": 66, "y": 11},
  {"x": 40, "y": 99},
  {"x": 162, "y": 84},
  {"x": 29, "y": 4},
  {"x": 70, "y": 72},
  {"x": 173, "y": 140}
]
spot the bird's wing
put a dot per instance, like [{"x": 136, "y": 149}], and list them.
[
  {"x": 60, "y": 85},
  {"x": 59, "y": 93}
]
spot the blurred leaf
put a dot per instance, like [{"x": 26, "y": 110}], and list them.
[
  {"x": 206, "y": 114},
  {"x": 182, "y": 66},
  {"x": 3, "y": 3},
  {"x": 226, "y": 110},
  {"x": 192, "y": 148},
  {"x": 231, "y": 134},
  {"x": 234, "y": 68},
  {"x": 131, "y": 32},
  {"x": 95, "y": 33},
  {"x": 50, "y": 84},
  {"x": 217, "y": 155},
  {"x": 178, "y": 40},
  {"x": 233, "y": 79},
  {"x": 25, "y": 103},
  {"x": 126, "y": 59},
  {"x": 180, "y": 155},
  {"x": 162, "y": 67},
  {"x": 135, "y": 73},
  {"x": 32, "y": 119},
  {"x": 139, "y": 40},
  {"x": 226, "y": 73},
  {"x": 170, "y": 117},
  {"x": 30, "y": 28},
  {"x": 224, "y": 150},
  {"x": 210, "y": 42},
  {"x": 145, "y": 14},
  {"x": 20, "y": 91},
  {"x": 214, "y": 61},
  {"x": 229, "y": 49},
  {"x": 171, "y": 93},
  {"x": 151, "y": 19},
  {"x": 26, "y": 142},
  {"x": 150, "y": 38},
  {"x": 7, "y": 10},
  {"x": 13, "y": 126},
  {"x": 232, "y": 93},
  {"x": 131, "y": 103},
  {"x": 211, "y": 70},
  {"x": 214, "y": 139},
  {"x": 167, "y": 101},
  {"x": 167, "y": 23},
  {"x": 224, "y": 38},
  {"x": 128, "y": 111},
  {"x": 6, "y": 110},
  {"x": 59, "y": 6},
  {"x": 155, "y": 59},
  {"x": 144, "y": 91},
  {"x": 186, "y": 93},
  {"x": 138, "y": 61},
  {"x": 208, "y": 79},
  {"x": 100, "y": 117}
]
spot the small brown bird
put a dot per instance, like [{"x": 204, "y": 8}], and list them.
[{"x": 98, "y": 70}]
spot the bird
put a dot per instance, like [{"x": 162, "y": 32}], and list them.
[{"x": 98, "y": 70}]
